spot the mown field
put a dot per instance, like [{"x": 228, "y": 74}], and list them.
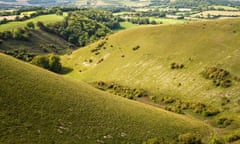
[{"x": 38, "y": 106}]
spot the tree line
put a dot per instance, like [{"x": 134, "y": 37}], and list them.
[{"x": 84, "y": 26}]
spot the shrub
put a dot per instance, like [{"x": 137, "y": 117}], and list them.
[
  {"x": 233, "y": 137},
  {"x": 220, "y": 77},
  {"x": 224, "y": 101},
  {"x": 54, "y": 63},
  {"x": 41, "y": 61},
  {"x": 30, "y": 25},
  {"x": 136, "y": 48},
  {"x": 177, "y": 66},
  {"x": 224, "y": 122},
  {"x": 167, "y": 100},
  {"x": 50, "y": 62},
  {"x": 189, "y": 138}
]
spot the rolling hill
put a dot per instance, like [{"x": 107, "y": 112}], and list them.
[
  {"x": 144, "y": 57},
  {"x": 38, "y": 106}
]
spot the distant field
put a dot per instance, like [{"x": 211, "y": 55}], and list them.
[
  {"x": 127, "y": 25},
  {"x": 229, "y": 8},
  {"x": 51, "y": 18},
  {"x": 167, "y": 20},
  {"x": 217, "y": 13},
  {"x": 28, "y": 12}
]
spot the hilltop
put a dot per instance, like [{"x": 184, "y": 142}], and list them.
[
  {"x": 171, "y": 62},
  {"x": 40, "y": 106}
]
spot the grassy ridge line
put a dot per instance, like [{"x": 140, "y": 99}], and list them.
[{"x": 42, "y": 107}]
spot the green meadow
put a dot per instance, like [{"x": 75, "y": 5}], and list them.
[{"x": 51, "y": 18}]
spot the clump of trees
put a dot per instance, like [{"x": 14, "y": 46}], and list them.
[
  {"x": 224, "y": 122},
  {"x": 83, "y": 27},
  {"x": 16, "y": 34},
  {"x": 100, "y": 46},
  {"x": 50, "y": 62},
  {"x": 178, "y": 106},
  {"x": 124, "y": 91},
  {"x": 177, "y": 66},
  {"x": 136, "y": 48},
  {"x": 21, "y": 54},
  {"x": 220, "y": 77}
]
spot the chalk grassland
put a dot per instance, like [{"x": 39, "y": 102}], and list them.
[
  {"x": 196, "y": 45},
  {"x": 38, "y": 106},
  {"x": 51, "y": 18}
]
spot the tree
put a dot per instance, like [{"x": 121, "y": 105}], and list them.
[
  {"x": 59, "y": 12},
  {"x": 41, "y": 25},
  {"x": 153, "y": 22},
  {"x": 54, "y": 63},
  {"x": 50, "y": 62},
  {"x": 41, "y": 61},
  {"x": 30, "y": 25}
]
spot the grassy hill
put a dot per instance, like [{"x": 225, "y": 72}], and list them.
[
  {"x": 39, "y": 42},
  {"x": 142, "y": 58},
  {"x": 38, "y": 106}
]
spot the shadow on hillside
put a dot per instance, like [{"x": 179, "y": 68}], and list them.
[{"x": 66, "y": 70}]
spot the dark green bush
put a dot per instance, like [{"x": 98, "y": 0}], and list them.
[
  {"x": 233, "y": 137},
  {"x": 167, "y": 100},
  {"x": 223, "y": 122},
  {"x": 220, "y": 77},
  {"x": 120, "y": 90},
  {"x": 136, "y": 48},
  {"x": 50, "y": 62},
  {"x": 189, "y": 138},
  {"x": 177, "y": 66},
  {"x": 30, "y": 25}
]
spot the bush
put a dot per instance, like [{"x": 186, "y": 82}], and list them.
[
  {"x": 136, "y": 48},
  {"x": 54, "y": 63},
  {"x": 30, "y": 25},
  {"x": 220, "y": 77},
  {"x": 168, "y": 100},
  {"x": 233, "y": 137},
  {"x": 177, "y": 66},
  {"x": 41, "y": 61},
  {"x": 50, "y": 62},
  {"x": 189, "y": 138},
  {"x": 224, "y": 122}
]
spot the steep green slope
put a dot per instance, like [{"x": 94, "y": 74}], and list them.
[
  {"x": 41, "y": 107},
  {"x": 142, "y": 58},
  {"x": 39, "y": 42},
  {"x": 196, "y": 45}
]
